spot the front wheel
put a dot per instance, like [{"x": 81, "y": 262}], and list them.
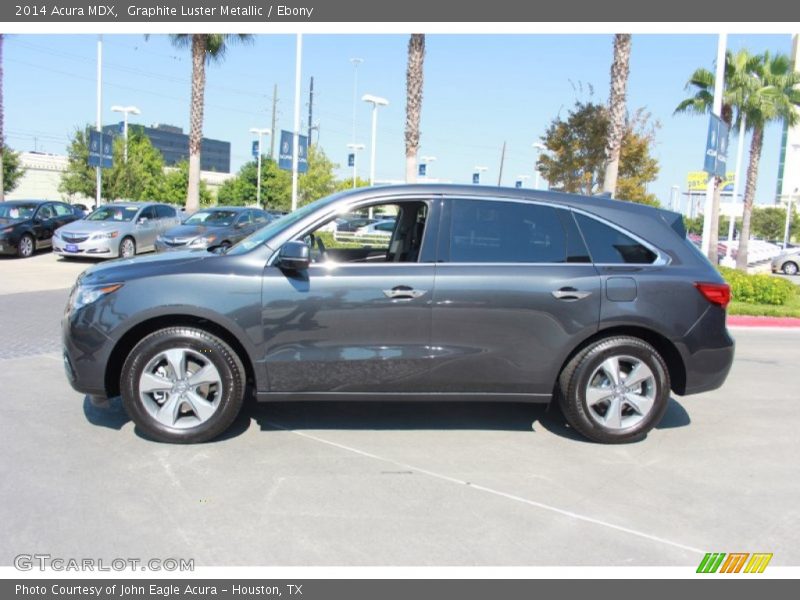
[
  {"x": 790, "y": 268},
  {"x": 615, "y": 390},
  {"x": 127, "y": 248},
  {"x": 26, "y": 246},
  {"x": 182, "y": 385}
]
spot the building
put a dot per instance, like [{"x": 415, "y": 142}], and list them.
[
  {"x": 215, "y": 155},
  {"x": 789, "y": 165}
]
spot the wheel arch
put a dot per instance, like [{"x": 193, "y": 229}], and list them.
[
  {"x": 668, "y": 351},
  {"x": 131, "y": 337}
]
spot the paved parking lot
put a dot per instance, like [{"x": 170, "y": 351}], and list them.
[{"x": 390, "y": 484}]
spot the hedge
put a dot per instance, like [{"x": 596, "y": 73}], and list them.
[{"x": 758, "y": 289}]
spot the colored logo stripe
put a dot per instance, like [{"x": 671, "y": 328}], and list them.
[
  {"x": 734, "y": 562},
  {"x": 716, "y": 561},
  {"x": 711, "y": 562},
  {"x": 758, "y": 562}
]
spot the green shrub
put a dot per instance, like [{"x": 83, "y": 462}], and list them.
[{"x": 758, "y": 289}]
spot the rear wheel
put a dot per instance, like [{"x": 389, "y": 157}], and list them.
[
  {"x": 26, "y": 246},
  {"x": 615, "y": 390},
  {"x": 182, "y": 385},
  {"x": 790, "y": 268}
]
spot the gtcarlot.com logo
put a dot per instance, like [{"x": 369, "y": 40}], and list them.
[
  {"x": 42, "y": 562},
  {"x": 735, "y": 562}
]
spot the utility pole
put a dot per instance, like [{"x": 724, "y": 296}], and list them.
[
  {"x": 310, "y": 110},
  {"x": 99, "y": 170},
  {"x": 274, "y": 116},
  {"x": 502, "y": 160}
]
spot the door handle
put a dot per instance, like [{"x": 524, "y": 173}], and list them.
[
  {"x": 403, "y": 292},
  {"x": 570, "y": 293}
]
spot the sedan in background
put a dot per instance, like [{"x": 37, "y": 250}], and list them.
[
  {"x": 28, "y": 225},
  {"x": 218, "y": 227},
  {"x": 120, "y": 229},
  {"x": 787, "y": 262},
  {"x": 381, "y": 228}
]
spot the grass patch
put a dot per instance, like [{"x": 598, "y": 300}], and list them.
[{"x": 790, "y": 309}]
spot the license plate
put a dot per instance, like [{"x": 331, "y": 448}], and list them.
[{"x": 71, "y": 248}]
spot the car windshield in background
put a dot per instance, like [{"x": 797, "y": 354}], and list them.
[
  {"x": 114, "y": 213},
  {"x": 212, "y": 218},
  {"x": 17, "y": 211}
]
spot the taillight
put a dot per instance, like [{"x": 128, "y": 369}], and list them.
[{"x": 716, "y": 293}]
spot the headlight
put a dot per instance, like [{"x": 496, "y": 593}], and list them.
[
  {"x": 86, "y": 294},
  {"x": 203, "y": 241},
  {"x": 107, "y": 235}
]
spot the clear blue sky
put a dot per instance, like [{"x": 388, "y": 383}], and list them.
[{"x": 480, "y": 90}]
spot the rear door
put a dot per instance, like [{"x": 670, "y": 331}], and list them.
[{"x": 514, "y": 292}]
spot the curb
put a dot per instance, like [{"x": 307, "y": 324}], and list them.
[{"x": 748, "y": 321}]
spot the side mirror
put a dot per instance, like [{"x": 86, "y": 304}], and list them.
[
  {"x": 141, "y": 221},
  {"x": 294, "y": 256}
]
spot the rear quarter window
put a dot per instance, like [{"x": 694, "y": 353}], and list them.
[{"x": 608, "y": 245}]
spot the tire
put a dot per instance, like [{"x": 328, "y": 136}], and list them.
[
  {"x": 789, "y": 268},
  {"x": 127, "y": 247},
  {"x": 26, "y": 246},
  {"x": 176, "y": 409},
  {"x": 607, "y": 412}
]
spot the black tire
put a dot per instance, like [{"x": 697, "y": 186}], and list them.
[
  {"x": 127, "y": 242},
  {"x": 220, "y": 354},
  {"x": 26, "y": 246},
  {"x": 789, "y": 268},
  {"x": 575, "y": 379}
]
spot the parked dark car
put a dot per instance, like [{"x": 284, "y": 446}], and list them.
[
  {"x": 479, "y": 294},
  {"x": 221, "y": 226},
  {"x": 28, "y": 225},
  {"x": 80, "y": 209}
]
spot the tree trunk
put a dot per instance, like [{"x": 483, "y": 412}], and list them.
[
  {"x": 2, "y": 131},
  {"x": 414, "y": 80},
  {"x": 749, "y": 195},
  {"x": 199, "y": 42},
  {"x": 616, "y": 104}
]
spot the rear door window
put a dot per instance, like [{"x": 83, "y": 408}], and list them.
[
  {"x": 608, "y": 245},
  {"x": 489, "y": 231}
]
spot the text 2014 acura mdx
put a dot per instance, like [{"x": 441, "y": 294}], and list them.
[{"x": 479, "y": 294}]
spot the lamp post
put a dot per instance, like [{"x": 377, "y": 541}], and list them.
[
  {"x": 788, "y": 218},
  {"x": 356, "y": 62},
  {"x": 728, "y": 260},
  {"x": 539, "y": 147},
  {"x": 355, "y": 148},
  {"x": 376, "y": 101},
  {"x": 125, "y": 110},
  {"x": 259, "y": 133}
]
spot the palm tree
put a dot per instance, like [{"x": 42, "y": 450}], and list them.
[
  {"x": 2, "y": 116},
  {"x": 616, "y": 104},
  {"x": 414, "y": 80},
  {"x": 775, "y": 99},
  {"x": 739, "y": 82},
  {"x": 206, "y": 48}
]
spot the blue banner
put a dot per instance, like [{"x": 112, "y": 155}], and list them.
[
  {"x": 255, "y": 149},
  {"x": 476, "y": 178},
  {"x": 286, "y": 155},
  {"x": 716, "y": 147},
  {"x": 423, "y": 168},
  {"x": 351, "y": 160},
  {"x": 101, "y": 150},
  {"x": 518, "y": 184}
]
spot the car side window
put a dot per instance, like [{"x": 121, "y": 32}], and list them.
[
  {"x": 260, "y": 216},
  {"x": 148, "y": 213},
  {"x": 62, "y": 210},
  {"x": 165, "y": 212},
  {"x": 506, "y": 232},
  {"x": 608, "y": 245},
  {"x": 245, "y": 218},
  {"x": 45, "y": 212}
]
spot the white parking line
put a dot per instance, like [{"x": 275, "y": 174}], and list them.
[{"x": 494, "y": 492}]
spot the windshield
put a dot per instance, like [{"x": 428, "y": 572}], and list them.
[
  {"x": 274, "y": 228},
  {"x": 212, "y": 218},
  {"x": 17, "y": 211},
  {"x": 114, "y": 213}
]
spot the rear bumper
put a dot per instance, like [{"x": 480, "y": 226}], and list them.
[{"x": 707, "y": 351}]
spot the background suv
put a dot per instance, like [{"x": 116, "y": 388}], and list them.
[{"x": 478, "y": 293}]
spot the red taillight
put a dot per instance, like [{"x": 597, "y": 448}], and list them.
[{"x": 716, "y": 293}]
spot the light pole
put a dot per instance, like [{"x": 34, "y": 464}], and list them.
[
  {"x": 788, "y": 218},
  {"x": 259, "y": 133},
  {"x": 728, "y": 260},
  {"x": 539, "y": 147},
  {"x": 355, "y": 148},
  {"x": 376, "y": 101},
  {"x": 674, "y": 196},
  {"x": 356, "y": 62},
  {"x": 480, "y": 170},
  {"x": 125, "y": 110}
]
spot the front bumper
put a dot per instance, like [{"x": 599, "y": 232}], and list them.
[
  {"x": 99, "y": 248},
  {"x": 86, "y": 352},
  {"x": 8, "y": 246}
]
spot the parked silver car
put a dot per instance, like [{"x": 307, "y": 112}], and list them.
[
  {"x": 114, "y": 230},
  {"x": 787, "y": 262}
]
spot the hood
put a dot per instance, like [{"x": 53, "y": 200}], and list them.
[
  {"x": 4, "y": 222},
  {"x": 84, "y": 226},
  {"x": 190, "y": 231},
  {"x": 126, "y": 269}
]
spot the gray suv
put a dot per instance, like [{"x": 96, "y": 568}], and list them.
[{"x": 479, "y": 293}]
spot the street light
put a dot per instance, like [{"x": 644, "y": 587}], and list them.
[
  {"x": 356, "y": 62},
  {"x": 355, "y": 148},
  {"x": 788, "y": 216},
  {"x": 259, "y": 133},
  {"x": 539, "y": 147},
  {"x": 125, "y": 110},
  {"x": 480, "y": 170},
  {"x": 376, "y": 101}
]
